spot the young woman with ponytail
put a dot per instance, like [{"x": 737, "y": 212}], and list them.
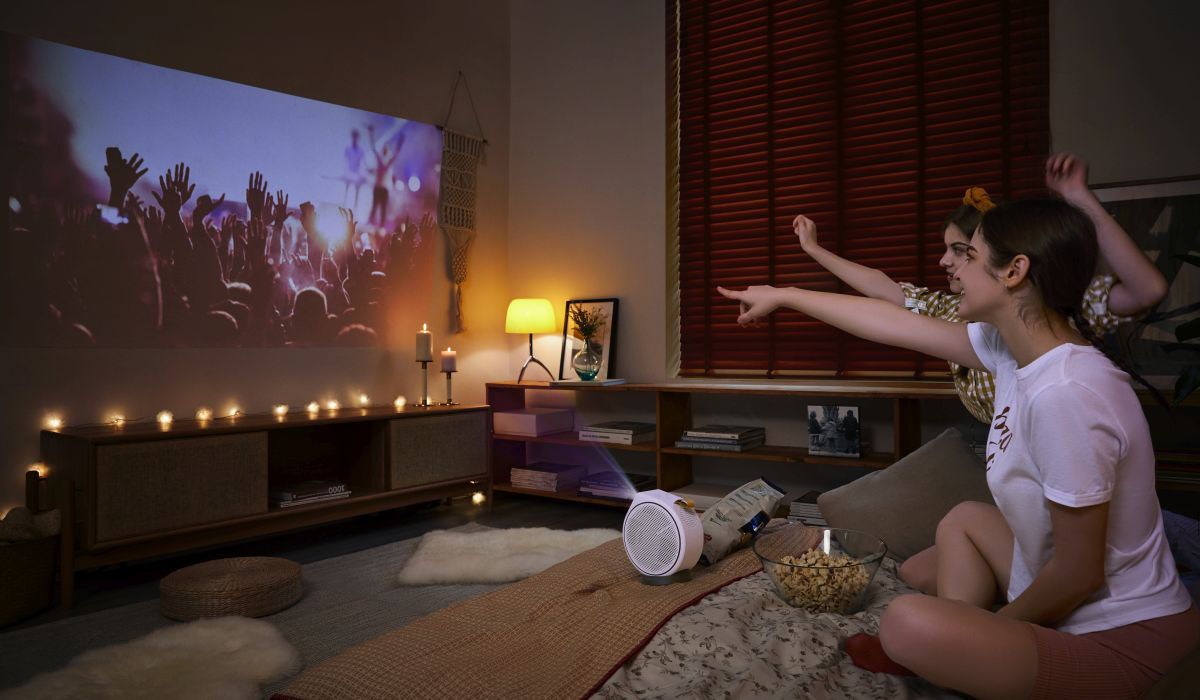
[
  {"x": 1134, "y": 287},
  {"x": 1092, "y": 605}
]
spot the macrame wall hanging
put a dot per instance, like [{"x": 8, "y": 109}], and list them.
[{"x": 461, "y": 156}]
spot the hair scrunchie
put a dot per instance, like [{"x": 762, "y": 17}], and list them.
[{"x": 978, "y": 198}]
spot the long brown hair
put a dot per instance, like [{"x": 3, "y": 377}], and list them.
[{"x": 1060, "y": 242}]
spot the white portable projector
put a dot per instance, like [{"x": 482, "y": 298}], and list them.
[{"x": 663, "y": 536}]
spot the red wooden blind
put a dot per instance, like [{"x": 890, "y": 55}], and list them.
[{"x": 871, "y": 118}]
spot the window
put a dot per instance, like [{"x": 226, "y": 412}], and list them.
[{"x": 871, "y": 118}]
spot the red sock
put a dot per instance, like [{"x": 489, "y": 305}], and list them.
[{"x": 866, "y": 651}]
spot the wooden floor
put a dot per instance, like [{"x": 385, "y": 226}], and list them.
[{"x": 118, "y": 585}]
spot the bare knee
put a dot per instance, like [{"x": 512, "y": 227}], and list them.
[
  {"x": 962, "y": 517},
  {"x": 920, "y": 571},
  {"x": 906, "y": 625}
]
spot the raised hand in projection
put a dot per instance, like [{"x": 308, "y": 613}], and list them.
[
  {"x": 122, "y": 174},
  {"x": 256, "y": 195}
]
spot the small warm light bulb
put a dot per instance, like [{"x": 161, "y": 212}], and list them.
[
  {"x": 279, "y": 409},
  {"x": 204, "y": 413},
  {"x": 164, "y": 418},
  {"x": 363, "y": 400},
  {"x": 478, "y": 498},
  {"x": 54, "y": 422},
  {"x": 399, "y": 403},
  {"x": 313, "y": 407},
  {"x": 117, "y": 419},
  {"x": 234, "y": 412},
  {"x": 332, "y": 405}
]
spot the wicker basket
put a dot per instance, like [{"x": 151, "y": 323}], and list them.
[
  {"x": 27, "y": 585},
  {"x": 247, "y": 586}
]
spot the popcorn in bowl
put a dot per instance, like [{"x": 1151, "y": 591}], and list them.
[{"x": 822, "y": 578}]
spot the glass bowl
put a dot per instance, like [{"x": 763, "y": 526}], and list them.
[{"x": 820, "y": 569}]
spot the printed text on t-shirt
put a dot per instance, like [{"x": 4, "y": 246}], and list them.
[{"x": 1003, "y": 434}]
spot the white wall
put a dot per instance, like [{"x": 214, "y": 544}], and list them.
[
  {"x": 588, "y": 167},
  {"x": 398, "y": 57},
  {"x": 1123, "y": 86}
]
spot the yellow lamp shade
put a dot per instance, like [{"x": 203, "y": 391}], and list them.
[{"x": 530, "y": 316}]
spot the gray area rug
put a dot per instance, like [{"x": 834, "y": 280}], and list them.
[{"x": 347, "y": 600}]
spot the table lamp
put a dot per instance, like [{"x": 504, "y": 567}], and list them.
[{"x": 530, "y": 316}]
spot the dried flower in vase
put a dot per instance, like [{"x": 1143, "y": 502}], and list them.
[{"x": 588, "y": 322}]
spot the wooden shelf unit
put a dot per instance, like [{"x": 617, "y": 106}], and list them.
[
  {"x": 673, "y": 415},
  {"x": 143, "y": 490}
]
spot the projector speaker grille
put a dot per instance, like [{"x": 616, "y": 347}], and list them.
[{"x": 652, "y": 539}]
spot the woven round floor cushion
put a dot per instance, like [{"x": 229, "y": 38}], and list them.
[{"x": 247, "y": 586}]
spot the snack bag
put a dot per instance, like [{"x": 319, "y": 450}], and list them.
[{"x": 737, "y": 518}]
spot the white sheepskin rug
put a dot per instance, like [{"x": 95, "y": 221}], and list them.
[
  {"x": 214, "y": 659},
  {"x": 495, "y": 556}
]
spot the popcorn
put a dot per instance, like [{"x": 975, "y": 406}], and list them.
[{"x": 832, "y": 584}]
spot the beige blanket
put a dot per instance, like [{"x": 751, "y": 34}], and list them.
[{"x": 558, "y": 634}]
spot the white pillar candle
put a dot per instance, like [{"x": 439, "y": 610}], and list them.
[
  {"x": 424, "y": 344},
  {"x": 449, "y": 360}
]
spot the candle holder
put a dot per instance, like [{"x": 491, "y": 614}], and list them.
[
  {"x": 424, "y": 402},
  {"x": 449, "y": 395}
]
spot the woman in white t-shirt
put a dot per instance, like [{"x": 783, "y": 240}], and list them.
[{"x": 1092, "y": 603}]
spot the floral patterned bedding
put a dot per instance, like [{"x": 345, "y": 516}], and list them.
[{"x": 744, "y": 642}]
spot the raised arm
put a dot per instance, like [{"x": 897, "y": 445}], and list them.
[
  {"x": 866, "y": 280},
  {"x": 1139, "y": 286},
  {"x": 870, "y": 319}
]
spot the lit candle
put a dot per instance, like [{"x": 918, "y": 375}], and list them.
[
  {"x": 364, "y": 400},
  {"x": 313, "y": 407},
  {"x": 424, "y": 344},
  {"x": 449, "y": 360},
  {"x": 280, "y": 409},
  {"x": 164, "y": 418},
  {"x": 332, "y": 405}
]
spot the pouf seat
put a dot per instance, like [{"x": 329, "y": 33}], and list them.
[{"x": 247, "y": 586}]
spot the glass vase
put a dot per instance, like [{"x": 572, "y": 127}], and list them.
[{"x": 586, "y": 362}]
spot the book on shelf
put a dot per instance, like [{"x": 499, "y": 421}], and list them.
[
  {"x": 615, "y": 438},
  {"x": 589, "y": 382},
  {"x": 547, "y": 476},
  {"x": 720, "y": 441},
  {"x": 729, "y": 432},
  {"x": 720, "y": 447},
  {"x": 307, "y": 489},
  {"x": 312, "y": 499},
  {"x": 622, "y": 427},
  {"x": 804, "y": 509},
  {"x": 614, "y": 485}
]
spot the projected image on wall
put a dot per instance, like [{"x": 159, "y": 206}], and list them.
[{"x": 149, "y": 207}]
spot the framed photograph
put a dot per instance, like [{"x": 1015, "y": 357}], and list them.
[
  {"x": 834, "y": 430},
  {"x": 1163, "y": 218},
  {"x": 589, "y": 340}
]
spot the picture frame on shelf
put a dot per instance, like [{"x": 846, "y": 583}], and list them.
[
  {"x": 602, "y": 315},
  {"x": 1160, "y": 215},
  {"x": 835, "y": 430}
]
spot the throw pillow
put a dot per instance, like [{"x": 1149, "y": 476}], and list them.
[{"x": 903, "y": 504}]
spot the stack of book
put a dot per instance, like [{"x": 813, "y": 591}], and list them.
[
  {"x": 613, "y": 484},
  {"x": 305, "y": 492},
  {"x": 547, "y": 476},
  {"x": 804, "y": 510},
  {"x": 621, "y": 432},
  {"x": 729, "y": 438}
]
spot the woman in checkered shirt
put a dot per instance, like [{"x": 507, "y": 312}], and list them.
[{"x": 1137, "y": 287}]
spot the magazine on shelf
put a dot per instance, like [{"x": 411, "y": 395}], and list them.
[
  {"x": 729, "y": 432},
  {"x": 589, "y": 382},
  {"x": 616, "y": 438},
  {"x": 623, "y": 427},
  {"x": 738, "y": 447},
  {"x": 547, "y": 476},
  {"x": 307, "y": 489},
  {"x": 614, "y": 485},
  {"x": 313, "y": 499},
  {"x": 721, "y": 441}
]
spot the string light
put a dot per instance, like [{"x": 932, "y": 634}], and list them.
[
  {"x": 399, "y": 403},
  {"x": 363, "y": 400},
  {"x": 54, "y": 422},
  {"x": 117, "y": 420},
  {"x": 164, "y": 418},
  {"x": 280, "y": 410},
  {"x": 478, "y": 498},
  {"x": 204, "y": 414},
  {"x": 234, "y": 411},
  {"x": 332, "y": 405},
  {"x": 313, "y": 408}
]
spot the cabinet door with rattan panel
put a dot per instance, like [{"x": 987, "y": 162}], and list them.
[
  {"x": 163, "y": 485},
  {"x": 433, "y": 449}
]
